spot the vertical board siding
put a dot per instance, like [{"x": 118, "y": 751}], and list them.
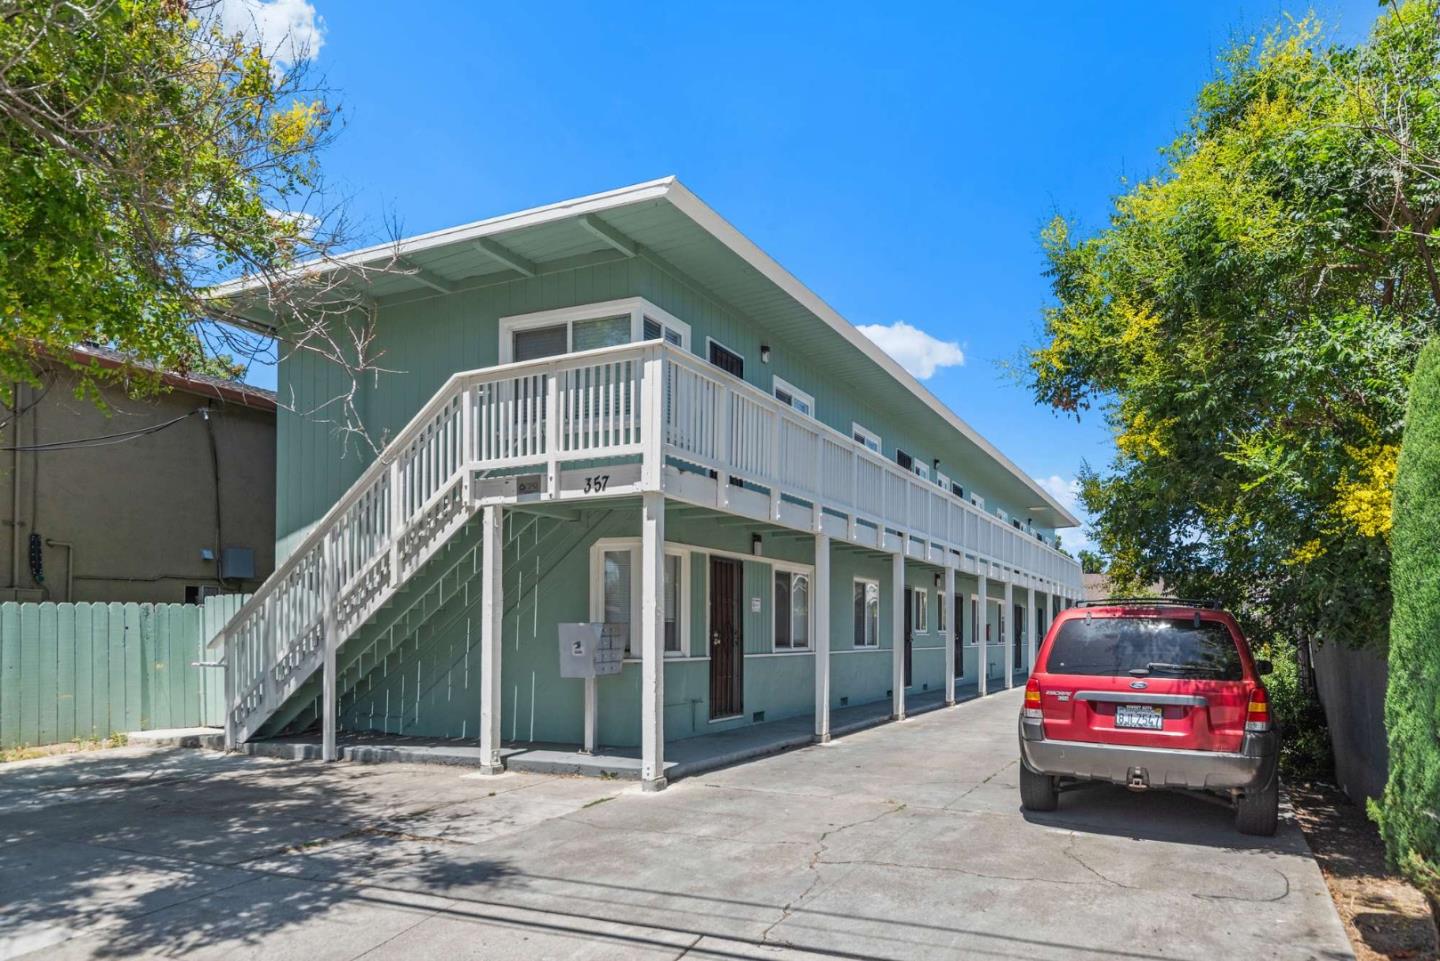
[{"x": 74, "y": 671}]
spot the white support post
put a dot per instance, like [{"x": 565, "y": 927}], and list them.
[
  {"x": 820, "y": 622},
  {"x": 552, "y": 436},
  {"x": 1007, "y": 631},
  {"x": 653, "y": 419},
  {"x": 492, "y": 607},
  {"x": 953, "y": 640},
  {"x": 230, "y": 657},
  {"x": 897, "y": 633},
  {"x": 652, "y": 642},
  {"x": 982, "y": 629},
  {"x": 592, "y": 710},
  {"x": 328, "y": 699}
]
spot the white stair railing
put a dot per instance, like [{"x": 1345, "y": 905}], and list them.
[{"x": 413, "y": 498}]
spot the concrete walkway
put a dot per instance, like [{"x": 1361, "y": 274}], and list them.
[
  {"x": 683, "y": 758},
  {"x": 901, "y": 842}
]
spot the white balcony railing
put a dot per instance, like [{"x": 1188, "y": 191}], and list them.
[{"x": 650, "y": 402}]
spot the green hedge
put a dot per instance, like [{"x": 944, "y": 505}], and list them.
[{"x": 1409, "y": 813}]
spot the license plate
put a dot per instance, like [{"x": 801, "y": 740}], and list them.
[{"x": 1139, "y": 715}]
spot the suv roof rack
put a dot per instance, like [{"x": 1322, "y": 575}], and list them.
[{"x": 1207, "y": 603}]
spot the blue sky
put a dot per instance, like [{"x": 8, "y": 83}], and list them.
[{"x": 900, "y": 159}]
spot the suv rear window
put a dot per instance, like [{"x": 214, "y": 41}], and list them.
[{"x": 1158, "y": 646}]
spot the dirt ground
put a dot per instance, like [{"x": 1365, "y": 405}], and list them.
[{"x": 1385, "y": 917}]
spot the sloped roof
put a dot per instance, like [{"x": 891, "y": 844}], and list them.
[
  {"x": 670, "y": 223},
  {"x": 194, "y": 382}
]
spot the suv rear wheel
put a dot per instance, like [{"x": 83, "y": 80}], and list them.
[
  {"x": 1258, "y": 812},
  {"x": 1037, "y": 791}
]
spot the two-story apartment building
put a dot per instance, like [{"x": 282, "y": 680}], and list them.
[{"x": 618, "y": 409}]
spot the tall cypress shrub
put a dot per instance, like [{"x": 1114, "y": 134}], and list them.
[{"x": 1409, "y": 812}]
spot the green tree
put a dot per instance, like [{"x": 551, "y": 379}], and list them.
[
  {"x": 1247, "y": 322},
  {"x": 1409, "y": 812},
  {"x": 147, "y": 151},
  {"x": 1091, "y": 563}
]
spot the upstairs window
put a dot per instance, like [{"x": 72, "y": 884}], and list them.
[
  {"x": 539, "y": 342},
  {"x": 922, "y": 471},
  {"x": 942, "y": 481},
  {"x": 792, "y": 396},
  {"x": 957, "y": 490},
  {"x": 865, "y": 437},
  {"x": 726, "y": 359},
  {"x": 550, "y": 333},
  {"x": 904, "y": 459},
  {"x": 652, "y": 329}
]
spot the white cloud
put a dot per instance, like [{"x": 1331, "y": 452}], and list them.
[
  {"x": 288, "y": 31},
  {"x": 1067, "y": 492},
  {"x": 917, "y": 351}
]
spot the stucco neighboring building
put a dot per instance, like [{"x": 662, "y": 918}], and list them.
[{"x": 165, "y": 498}]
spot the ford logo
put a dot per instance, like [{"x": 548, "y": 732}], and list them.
[{"x": 1139, "y": 685}]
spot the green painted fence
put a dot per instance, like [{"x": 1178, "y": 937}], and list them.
[{"x": 71, "y": 671}]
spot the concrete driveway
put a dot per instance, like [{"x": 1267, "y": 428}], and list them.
[{"x": 901, "y": 842}]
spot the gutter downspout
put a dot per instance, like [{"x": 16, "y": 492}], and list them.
[{"x": 69, "y": 567}]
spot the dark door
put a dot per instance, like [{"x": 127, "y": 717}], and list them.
[
  {"x": 957, "y": 634},
  {"x": 726, "y": 639},
  {"x": 909, "y": 632}
]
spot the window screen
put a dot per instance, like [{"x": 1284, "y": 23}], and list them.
[
  {"x": 867, "y": 614},
  {"x": 617, "y": 591},
  {"x": 672, "y": 603},
  {"x": 540, "y": 342},
  {"x": 605, "y": 332}
]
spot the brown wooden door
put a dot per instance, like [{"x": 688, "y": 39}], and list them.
[
  {"x": 727, "y": 638},
  {"x": 909, "y": 631}
]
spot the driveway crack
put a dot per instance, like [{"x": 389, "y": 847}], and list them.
[{"x": 816, "y": 859}]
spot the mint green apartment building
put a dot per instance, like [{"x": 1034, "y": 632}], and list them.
[{"x": 617, "y": 409}]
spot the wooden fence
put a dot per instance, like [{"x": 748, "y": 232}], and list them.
[{"x": 75, "y": 671}]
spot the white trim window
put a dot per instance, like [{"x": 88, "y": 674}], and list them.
[
  {"x": 615, "y": 591},
  {"x": 549, "y": 333},
  {"x": 975, "y": 620},
  {"x": 940, "y": 612},
  {"x": 942, "y": 480},
  {"x": 787, "y": 393},
  {"x": 866, "y": 437},
  {"x": 921, "y": 622},
  {"x": 866, "y": 595},
  {"x": 790, "y": 604},
  {"x": 922, "y": 471}
]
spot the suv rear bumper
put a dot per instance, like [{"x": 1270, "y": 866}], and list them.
[{"x": 1159, "y": 767}]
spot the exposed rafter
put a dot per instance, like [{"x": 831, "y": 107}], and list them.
[
  {"x": 428, "y": 277},
  {"x": 521, "y": 265},
  {"x": 608, "y": 234}
]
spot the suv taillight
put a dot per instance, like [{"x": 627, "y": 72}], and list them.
[
  {"x": 1257, "y": 713},
  {"x": 1032, "y": 700}
]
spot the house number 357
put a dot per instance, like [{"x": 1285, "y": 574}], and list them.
[{"x": 596, "y": 484}]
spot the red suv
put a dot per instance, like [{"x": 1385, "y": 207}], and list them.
[{"x": 1150, "y": 694}]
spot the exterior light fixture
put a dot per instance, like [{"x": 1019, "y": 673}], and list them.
[
  {"x": 755, "y": 547},
  {"x": 764, "y": 353}
]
